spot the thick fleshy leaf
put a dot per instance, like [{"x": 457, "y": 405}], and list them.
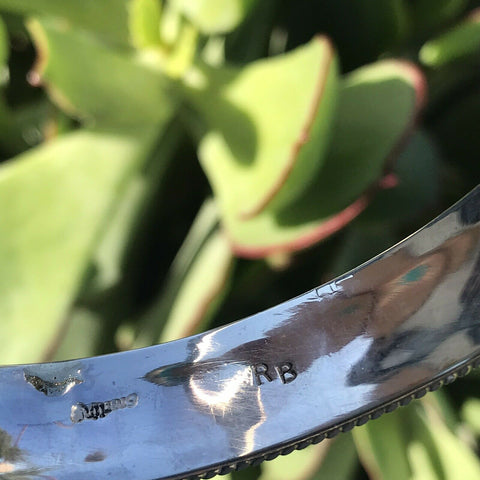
[
  {"x": 384, "y": 460},
  {"x": 4, "y": 46},
  {"x": 144, "y": 22},
  {"x": 299, "y": 465},
  {"x": 108, "y": 255},
  {"x": 421, "y": 462},
  {"x": 182, "y": 52},
  {"x": 419, "y": 447},
  {"x": 75, "y": 343},
  {"x": 202, "y": 289},
  {"x": 471, "y": 414},
  {"x": 187, "y": 260},
  {"x": 377, "y": 107},
  {"x": 214, "y": 16},
  {"x": 53, "y": 202},
  {"x": 330, "y": 460},
  {"x": 107, "y": 18},
  {"x": 95, "y": 82},
  {"x": 441, "y": 403},
  {"x": 423, "y": 455},
  {"x": 450, "y": 456},
  {"x": 460, "y": 42},
  {"x": 341, "y": 460},
  {"x": 107, "y": 299},
  {"x": 266, "y": 138}
]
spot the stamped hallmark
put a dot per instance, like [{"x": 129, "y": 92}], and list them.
[
  {"x": 54, "y": 380},
  {"x": 258, "y": 373},
  {"x": 284, "y": 371},
  {"x": 95, "y": 410}
]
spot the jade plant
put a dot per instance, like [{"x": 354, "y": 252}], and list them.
[{"x": 170, "y": 166}]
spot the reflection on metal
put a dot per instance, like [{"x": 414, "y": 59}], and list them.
[
  {"x": 13, "y": 460},
  {"x": 404, "y": 323}
]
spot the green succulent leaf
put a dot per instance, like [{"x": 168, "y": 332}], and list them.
[
  {"x": 196, "y": 278},
  {"x": 386, "y": 460},
  {"x": 53, "y": 202},
  {"x": 470, "y": 414},
  {"x": 105, "y": 301},
  {"x": 376, "y": 108},
  {"x": 420, "y": 461},
  {"x": 75, "y": 344},
  {"x": 265, "y": 138},
  {"x": 298, "y": 465},
  {"x": 450, "y": 458},
  {"x": 329, "y": 460},
  {"x": 108, "y": 256},
  {"x": 96, "y": 82},
  {"x": 107, "y": 18},
  {"x": 4, "y": 45},
  {"x": 341, "y": 460},
  {"x": 202, "y": 290},
  {"x": 120, "y": 236},
  {"x": 459, "y": 42},
  {"x": 197, "y": 283},
  {"x": 214, "y": 16},
  {"x": 144, "y": 22},
  {"x": 420, "y": 447}
]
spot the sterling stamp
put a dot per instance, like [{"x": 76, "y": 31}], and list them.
[{"x": 95, "y": 410}]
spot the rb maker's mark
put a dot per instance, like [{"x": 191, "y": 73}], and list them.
[{"x": 261, "y": 373}]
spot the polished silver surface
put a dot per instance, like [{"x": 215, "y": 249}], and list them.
[{"x": 399, "y": 325}]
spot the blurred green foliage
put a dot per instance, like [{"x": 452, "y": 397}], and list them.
[{"x": 167, "y": 166}]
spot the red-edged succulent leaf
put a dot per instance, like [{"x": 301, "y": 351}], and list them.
[
  {"x": 267, "y": 127},
  {"x": 107, "y": 18},
  {"x": 376, "y": 111},
  {"x": 96, "y": 82}
]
